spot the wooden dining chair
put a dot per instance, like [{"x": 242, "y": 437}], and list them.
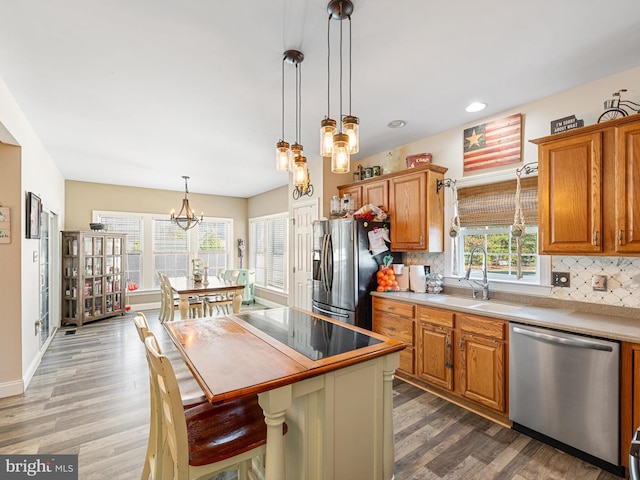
[
  {"x": 218, "y": 305},
  {"x": 169, "y": 303},
  {"x": 206, "y": 439}
]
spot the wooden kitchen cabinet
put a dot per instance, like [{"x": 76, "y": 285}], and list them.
[
  {"x": 356, "y": 194},
  {"x": 375, "y": 192},
  {"x": 397, "y": 320},
  {"x": 482, "y": 361},
  {"x": 435, "y": 346},
  {"x": 629, "y": 397},
  {"x": 587, "y": 201},
  {"x": 414, "y": 203},
  {"x": 417, "y": 212}
]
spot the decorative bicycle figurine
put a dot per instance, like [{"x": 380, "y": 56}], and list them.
[
  {"x": 301, "y": 190},
  {"x": 613, "y": 108}
]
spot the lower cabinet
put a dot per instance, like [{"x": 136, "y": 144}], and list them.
[
  {"x": 629, "y": 397},
  {"x": 462, "y": 356},
  {"x": 435, "y": 347},
  {"x": 396, "y": 320},
  {"x": 482, "y": 365}
]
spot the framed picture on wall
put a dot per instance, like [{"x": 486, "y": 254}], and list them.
[{"x": 34, "y": 207}]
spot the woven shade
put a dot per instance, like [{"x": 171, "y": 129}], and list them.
[{"x": 495, "y": 204}]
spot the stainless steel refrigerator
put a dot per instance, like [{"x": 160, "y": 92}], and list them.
[{"x": 344, "y": 269}]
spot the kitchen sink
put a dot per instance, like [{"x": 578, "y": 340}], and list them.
[
  {"x": 495, "y": 307},
  {"x": 453, "y": 301}
]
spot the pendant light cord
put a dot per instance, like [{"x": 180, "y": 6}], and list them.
[
  {"x": 340, "y": 112},
  {"x": 329, "y": 67},
  {"x": 350, "y": 64},
  {"x": 298, "y": 102},
  {"x": 282, "y": 98}
]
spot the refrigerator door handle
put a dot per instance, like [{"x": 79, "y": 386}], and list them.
[
  {"x": 324, "y": 263},
  {"x": 333, "y": 314},
  {"x": 327, "y": 263}
]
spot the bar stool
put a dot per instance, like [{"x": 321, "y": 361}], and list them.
[{"x": 203, "y": 440}]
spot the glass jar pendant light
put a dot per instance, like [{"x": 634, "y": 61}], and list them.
[
  {"x": 285, "y": 155},
  {"x": 339, "y": 141}
]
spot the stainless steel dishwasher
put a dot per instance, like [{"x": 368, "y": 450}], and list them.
[{"x": 564, "y": 390}]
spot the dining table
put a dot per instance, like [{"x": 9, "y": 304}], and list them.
[
  {"x": 331, "y": 383},
  {"x": 186, "y": 287}
]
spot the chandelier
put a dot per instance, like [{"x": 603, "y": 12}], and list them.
[
  {"x": 186, "y": 218},
  {"x": 339, "y": 140}
]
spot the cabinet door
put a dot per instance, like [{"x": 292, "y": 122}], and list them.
[
  {"x": 482, "y": 371},
  {"x": 376, "y": 193},
  {"x": 435, "y": 355},
  {"x": 627, "y": 194},
  {"x": 407, "y": 202},
  {"x": 570, "y": 195},
  {"x": 356, "y": 195},
  {"x": 629, "y": 397}
]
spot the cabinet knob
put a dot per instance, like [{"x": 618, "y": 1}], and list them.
[
  {"x": 596, "y": 241},
  {"x": 621, "y": 237}
]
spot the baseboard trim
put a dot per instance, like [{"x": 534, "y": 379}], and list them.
[{"x": 10, "y": 389}]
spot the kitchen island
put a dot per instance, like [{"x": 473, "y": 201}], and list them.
[{"x": 331, "y": 382}]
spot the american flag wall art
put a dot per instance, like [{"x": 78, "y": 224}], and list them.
[{"x": 493, "y": 144}]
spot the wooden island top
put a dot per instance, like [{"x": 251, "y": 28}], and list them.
[{"x": 253, "y": 352}]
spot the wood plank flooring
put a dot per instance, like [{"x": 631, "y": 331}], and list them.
[{"x": 90, "y": 397}]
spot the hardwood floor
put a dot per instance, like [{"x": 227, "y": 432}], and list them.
[{"x": 90, "y": 397}]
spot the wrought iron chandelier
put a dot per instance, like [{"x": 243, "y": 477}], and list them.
[
  {"x": 339, "y": 140},
  {"x": 186, "y": 218}
]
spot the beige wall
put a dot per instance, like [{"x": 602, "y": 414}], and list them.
[
  {"x": 10, "y": 255},
  {"x": 84, "y": 197},
  {"x": 269, "y": 203}
]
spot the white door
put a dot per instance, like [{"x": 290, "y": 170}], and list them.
[{"x": 303, "y": 218}]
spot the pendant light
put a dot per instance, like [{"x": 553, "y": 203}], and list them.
[
  {"x": 285, "y": 155},
  {"x": 339, "y": 140},
  {"x": 186, "y": 218}
]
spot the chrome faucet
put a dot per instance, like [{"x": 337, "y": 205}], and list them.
[{"x": 475, "y": 283}]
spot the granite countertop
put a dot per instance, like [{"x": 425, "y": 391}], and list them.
[{"x": 623, "y": 326}]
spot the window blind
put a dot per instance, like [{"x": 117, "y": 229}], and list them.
[
  {"x": 276, "y": 252},
  {"x": 495, "y": 204}
]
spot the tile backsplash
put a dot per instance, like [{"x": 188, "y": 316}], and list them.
[
  {"x": 623, "y": 277},
  {"x": 622, "y": 273}
]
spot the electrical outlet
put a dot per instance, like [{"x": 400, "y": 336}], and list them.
[
  {"x": 560, "y": 279},
  {"x": 599, "y": 283}
]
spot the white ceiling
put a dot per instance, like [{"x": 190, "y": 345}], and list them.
[{"x": 141, "y": 92}]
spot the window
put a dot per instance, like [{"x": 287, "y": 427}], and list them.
[
  {"x": 501, "y": 251},
  {"x": 155, "y": 244},
  {"x": 268, "y": 250},
  {"x": 132, "y": 226},
  {"x": 486, "y": 214}
]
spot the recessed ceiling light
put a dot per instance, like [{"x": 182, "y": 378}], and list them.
[
  {"x": 476, "y": 107},
  {"x": 396, "y": 124}
]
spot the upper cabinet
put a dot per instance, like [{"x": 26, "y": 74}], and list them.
[
  {"x": 414, "y": 203},
  {"x": 587, "y": 203}
]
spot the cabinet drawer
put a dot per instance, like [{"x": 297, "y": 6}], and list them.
[
  {"x": 393, "y": 326},
  {"x": 406, "y": 360},
  {"x": 436, "y": 317},
  {"x": 398, "y": 308},
  {"x": 483, "y": 326}
]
